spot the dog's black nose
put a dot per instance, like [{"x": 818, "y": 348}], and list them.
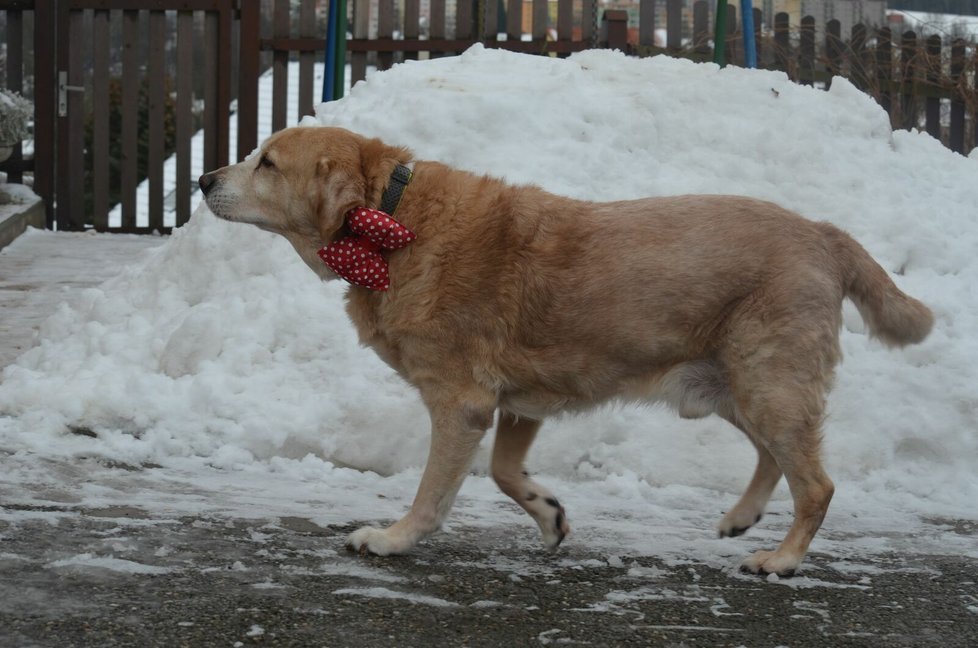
[{"x": 207, "y": 182}]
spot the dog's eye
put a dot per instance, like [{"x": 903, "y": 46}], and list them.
[{"x": 265, "y": 162}]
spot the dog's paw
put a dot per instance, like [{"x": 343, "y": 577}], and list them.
[
  {"x": 781, "y": 563},
  {"x": 553, "y": 524},
  {"x": 369, "y": 540},
  {"x": 736, "y": 522}
]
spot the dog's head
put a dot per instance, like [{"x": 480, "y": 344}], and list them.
[{"x": 302, "y": 183}]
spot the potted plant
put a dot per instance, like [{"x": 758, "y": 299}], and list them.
[{"x": 15, "y": 117}]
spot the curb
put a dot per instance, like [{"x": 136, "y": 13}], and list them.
[{"x": 15, "y": 218}]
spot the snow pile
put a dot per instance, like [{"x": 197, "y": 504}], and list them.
[{"x": 221, "y": 348}]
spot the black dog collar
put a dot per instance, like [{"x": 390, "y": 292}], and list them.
[{"x": 395, "y": 188}]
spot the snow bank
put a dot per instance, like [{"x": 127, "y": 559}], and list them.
[{"x": 221, "y": 348}]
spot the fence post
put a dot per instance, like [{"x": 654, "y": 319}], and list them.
[
  {"x": 44, "y": 102},
  {"x": 184, "y": 116},
  {"x": 281, "y": 18},
  {"x": 833, "y": 49},
  {"x": 782, "y": 43},
  {"x": 646, "y": 23},
  {"x": 758, "y": 43},
  {"x": 908, "y": 72},
  {"x": 974, "y": 105},
  {"x": 225, "y": 16},
  {"x": 806, "y": 52},
  {"x": 490, "y": 19},
  {"x": 884, "y": 68},
  {"x": 514, "y": 20},
  {"x": 958, "y": 88},
  {"x": 361, "y": 30},
  {"x": 307, "y": 29},
  {"x": 155, "y": 77},
  {"x": 674, "y": 23},
  {"x": 411, "y": 31},
  {"x": 100, "y": 126},
  {"x": 565, "y": 20},
  {"x": 436, "y": 22},
  {"x": 857, "y": 57},
  {"x": 933, "y": 105},
  {"x": 249, "y": 43},
  {"x": 541, "y": 20},
  {"x": 701, "y": 30}
]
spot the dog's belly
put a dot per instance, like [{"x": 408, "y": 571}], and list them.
[{"x": 695, "y": 389}]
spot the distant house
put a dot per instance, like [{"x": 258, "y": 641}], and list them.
[
  {"x": 928, "y": 23},
  {"x": 871, "y": 13}
]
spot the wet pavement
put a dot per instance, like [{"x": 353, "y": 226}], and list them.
[{"x": 120, "y": 577}]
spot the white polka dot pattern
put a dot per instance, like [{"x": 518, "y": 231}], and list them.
[{"x": 358, "y": 258}]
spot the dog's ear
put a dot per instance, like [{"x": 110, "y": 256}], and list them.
[{"x": 340, "y": 187}]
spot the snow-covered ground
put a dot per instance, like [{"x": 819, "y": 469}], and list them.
[{"x": 218, "y": 376}]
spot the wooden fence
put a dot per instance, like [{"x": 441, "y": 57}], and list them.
[{"x": 176, "y": 55}]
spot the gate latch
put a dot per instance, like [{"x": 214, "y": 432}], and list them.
[{"x": 63, "y": 90}]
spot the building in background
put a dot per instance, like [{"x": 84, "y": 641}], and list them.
[{"x": 871, "y": 13}]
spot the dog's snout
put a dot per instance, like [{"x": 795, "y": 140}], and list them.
[{"x": 207, "y": 181}]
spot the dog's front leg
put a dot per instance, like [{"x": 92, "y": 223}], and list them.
[{"x": 456, "y": 429}]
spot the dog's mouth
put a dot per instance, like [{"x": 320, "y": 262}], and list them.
[{"x": 238, "y": 217}]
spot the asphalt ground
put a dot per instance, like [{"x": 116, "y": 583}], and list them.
[{"x": 120, "y": 577}]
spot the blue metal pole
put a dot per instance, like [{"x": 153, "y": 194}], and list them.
[
  {"x": 329, "y": 64},
  {"x": 750, "y": 46}
]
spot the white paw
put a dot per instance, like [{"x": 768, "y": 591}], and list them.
[
  {"x": 368, "y": 540},
  {"x": 781, "y": 563},
  {"x": 736, "y": 522},
  {"x": 553, "y": 524},
  {"x": 553, "y": 538}
]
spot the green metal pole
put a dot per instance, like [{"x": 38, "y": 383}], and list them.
[
  {"x": 720, "y": 35},
  {"x": 339, "y": 78}
]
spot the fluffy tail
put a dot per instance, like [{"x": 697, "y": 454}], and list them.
[{"x": 895, "y": 318}]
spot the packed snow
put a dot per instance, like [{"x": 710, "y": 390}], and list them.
[{"x": 222, "y": 370}]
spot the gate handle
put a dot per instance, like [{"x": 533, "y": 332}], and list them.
[{"x": 63, "y": 90}]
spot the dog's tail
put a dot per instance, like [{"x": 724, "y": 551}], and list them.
[{"x": 894, "y": 317}]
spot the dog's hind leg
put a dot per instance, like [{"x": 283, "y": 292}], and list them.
[
  {"x": 456, "y": 429},
  {"x": 513, "y": 439},
  {"x": 750, "y": 508},
  {"x": 698, "y": 388},
  {"x": 811, "y": 490},
  {"x": 785, "y": 418}
]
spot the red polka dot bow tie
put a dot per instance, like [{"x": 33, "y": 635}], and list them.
[{"x": 358, "y": 258}]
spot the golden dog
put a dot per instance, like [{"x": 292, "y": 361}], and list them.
[{"x": 517, "y": 300}]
